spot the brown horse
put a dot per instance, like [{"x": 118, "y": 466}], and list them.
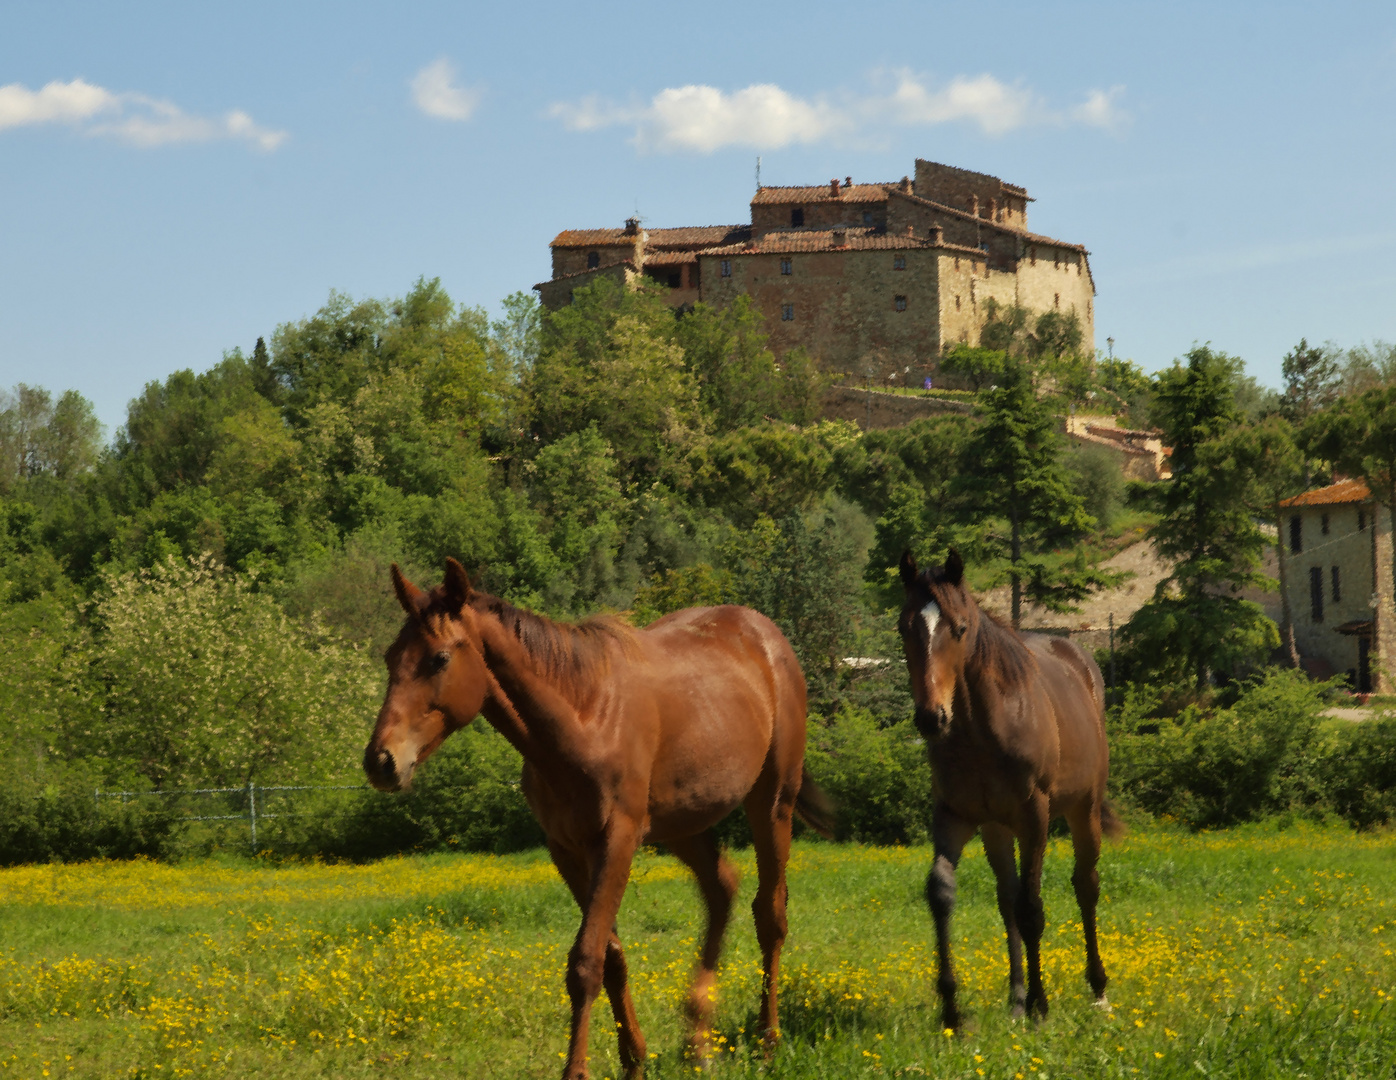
[
  {"x": 628, "y": 737},
  {"x": 1015, "y": 731}
]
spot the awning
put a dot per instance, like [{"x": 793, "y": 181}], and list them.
[{"x": 1356, "y": 628}]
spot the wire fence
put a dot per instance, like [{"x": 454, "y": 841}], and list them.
[{"x": 254, "y": 800}]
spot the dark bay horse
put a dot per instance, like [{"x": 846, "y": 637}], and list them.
[
  {"x": 628, "y": 736},
  {"x": 1015, "y": 731}
]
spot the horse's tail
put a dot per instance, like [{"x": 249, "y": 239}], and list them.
[
  {"x": 814, "y": 806},
  {"x": 1110, "y": 823}
]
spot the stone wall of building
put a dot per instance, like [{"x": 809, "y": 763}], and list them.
[
  {"x": 843, "y": 304},
  {"x": 1058, "y": 279},
  {"x": 985, "y": 196},
  {"x": 558, "y": 292}
]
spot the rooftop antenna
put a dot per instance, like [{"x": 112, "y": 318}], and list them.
[{"x": 758, "y": 172}]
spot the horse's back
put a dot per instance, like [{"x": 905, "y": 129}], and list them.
[
  {"x": 730, "y": 699},
  {"x": 1073, "y": 684}
]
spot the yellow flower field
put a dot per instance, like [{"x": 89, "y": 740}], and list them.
[{"x": 139, "y": 968}]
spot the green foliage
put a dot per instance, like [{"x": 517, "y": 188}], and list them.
[
  {"x": 612, "y": 359},
  {"x": 1195, "y": 624},
  {"x": 208, "y": 683},
  {"x": 741, "y": 383},
  {"x": 40, "y": 437},
  {"x": 1360, "y": 773},
  {"x": 877, "y": 776},
  {"x": 1212, "y": 767},
  {"x": 1097, "y": 476},
  {"x": 1011, "y": 469},
  {"x": 1312, "y": 381}
]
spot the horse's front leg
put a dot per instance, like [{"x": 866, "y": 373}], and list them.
[
  {"x": 1032, "y": 845},
  {"x": 950, "y": 833},
  {"x": 616, "y": 976},
  {"x": 587, "y": 963},
  {"x": 998, "y": 847}
]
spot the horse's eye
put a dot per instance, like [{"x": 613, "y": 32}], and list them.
[
  {"x": 960, "y": 629},
  {"x": 438, "y": 661}
]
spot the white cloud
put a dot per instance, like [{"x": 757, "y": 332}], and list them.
[
  {"x": 763, "y": 116},
  {"x": 56, "y": 103},
  {"x": 995, "y": 106},
  {"x": 1100, "y": 110},
  {"x": 132, "y": 118},
  {"x": 435, "y": 93}
]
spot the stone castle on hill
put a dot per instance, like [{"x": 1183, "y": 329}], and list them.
[{"x": 868, "y": 278}]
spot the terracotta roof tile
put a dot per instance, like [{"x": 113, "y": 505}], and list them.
[
  {"x": 782, "y": 196},
  {"x": 697, "y": 236},
  {"x": 588, "y": 273},
  {"x": 1344, "y": 491},
  {"x": 859, "y": 239}
]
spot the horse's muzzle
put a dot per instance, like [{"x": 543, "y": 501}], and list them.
[
  {"x": 382, "y": 770},
  {"x": 932, "y": 723}
]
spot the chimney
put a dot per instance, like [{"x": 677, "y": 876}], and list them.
[
  {"x": 911, "y": 230},
  {"x": 840, "y": 238},
  {"x": 834, "y": 188},
  {"x": 936, "y": 234},
  {"x": 905, "y": 185},
  {"x": 632, "y": 226},
  {"x": 848, "y": 181}
]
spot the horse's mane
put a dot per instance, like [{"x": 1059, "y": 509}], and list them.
[
  {"x": 1000, "y": 651},
  {"x": 571, "y": 655}
]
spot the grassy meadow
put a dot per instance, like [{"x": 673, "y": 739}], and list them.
[{"x": 1256, "y": 952}]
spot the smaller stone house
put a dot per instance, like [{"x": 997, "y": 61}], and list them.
[{"x": 1336, "y": 547}]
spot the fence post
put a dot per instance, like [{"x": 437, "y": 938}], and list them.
[{"x": 252, "y": 812}]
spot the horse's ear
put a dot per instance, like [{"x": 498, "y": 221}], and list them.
[
  {"x": 456, "y": 585},
  {"x": 908, "y": 568},
  {"x": 408, "y": 595},
  {"x": 954, "y": 567}
]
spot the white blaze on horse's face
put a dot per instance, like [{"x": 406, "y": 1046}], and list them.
[
  {"x": 940, "y": 682},
  {"x": 930, "y": 615}
]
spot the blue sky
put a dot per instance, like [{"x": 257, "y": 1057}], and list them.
[{"x": 176, "y": 179}]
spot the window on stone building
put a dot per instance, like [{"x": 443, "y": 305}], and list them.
[
  {"x": 957, "y": 262},
  {"x": 1316, "y": 593},
  {"x": 1056, "y": 260},
  {"x": 725, "y": 268},
  {"x": 1323, "y": 524},
  {"x": 1361, "y": 518},
  {"x": 593, "y": 259},
  {"x": 957, "y": 301},
  {"x": 786, "y": 266},
  {"x": 787, "y": 313},
  {"x": 797, "y": 217},
  {"x": 1032, "y": 254},
  {"x": 1296, "y": 534},
  {"x": 899, "y": 303},
  {"x": 675, "y": 280},
  {"x": 1337, "y": 586},
  {"x": 899, "y": 262},
  {"x": 867, "y": 217},
  {"x": 1056, "y": 299}
]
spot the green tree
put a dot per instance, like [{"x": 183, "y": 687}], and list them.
[
  {"x": 1269, "y": 448},
  {"x": 41, "y": 437},
  {"x": 1312, "y": 381},
  {"x": 611, "y": 358},
  {"x": 1011, "y": 469},
  {"x": 1196, "y": 623}
]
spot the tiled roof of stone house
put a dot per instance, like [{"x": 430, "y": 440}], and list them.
[
  {"x": 783, "y": 196},
  {"x": 696, "y": 236},
  {"x": 1344, "y": 491},
  {"x": 1031, "y": 237},
  {"x": 854, "y": 239}
]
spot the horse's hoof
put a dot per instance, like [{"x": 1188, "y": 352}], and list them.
[
  {"x": 1103, "y": 1004},
  {"x": 1018, "y": 1011}
]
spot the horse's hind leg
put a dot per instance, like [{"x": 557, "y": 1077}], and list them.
[
  {"x": 1085, "y": 839},
  {"x": 615, "y": 975},
  {"x": 998, "y": 846},
  {"x": 771, "y": 817},
  {"x": 950, "y": 833},
  {"x": 717, "y": 880},
  {"x": 1032, "y": 842}
]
